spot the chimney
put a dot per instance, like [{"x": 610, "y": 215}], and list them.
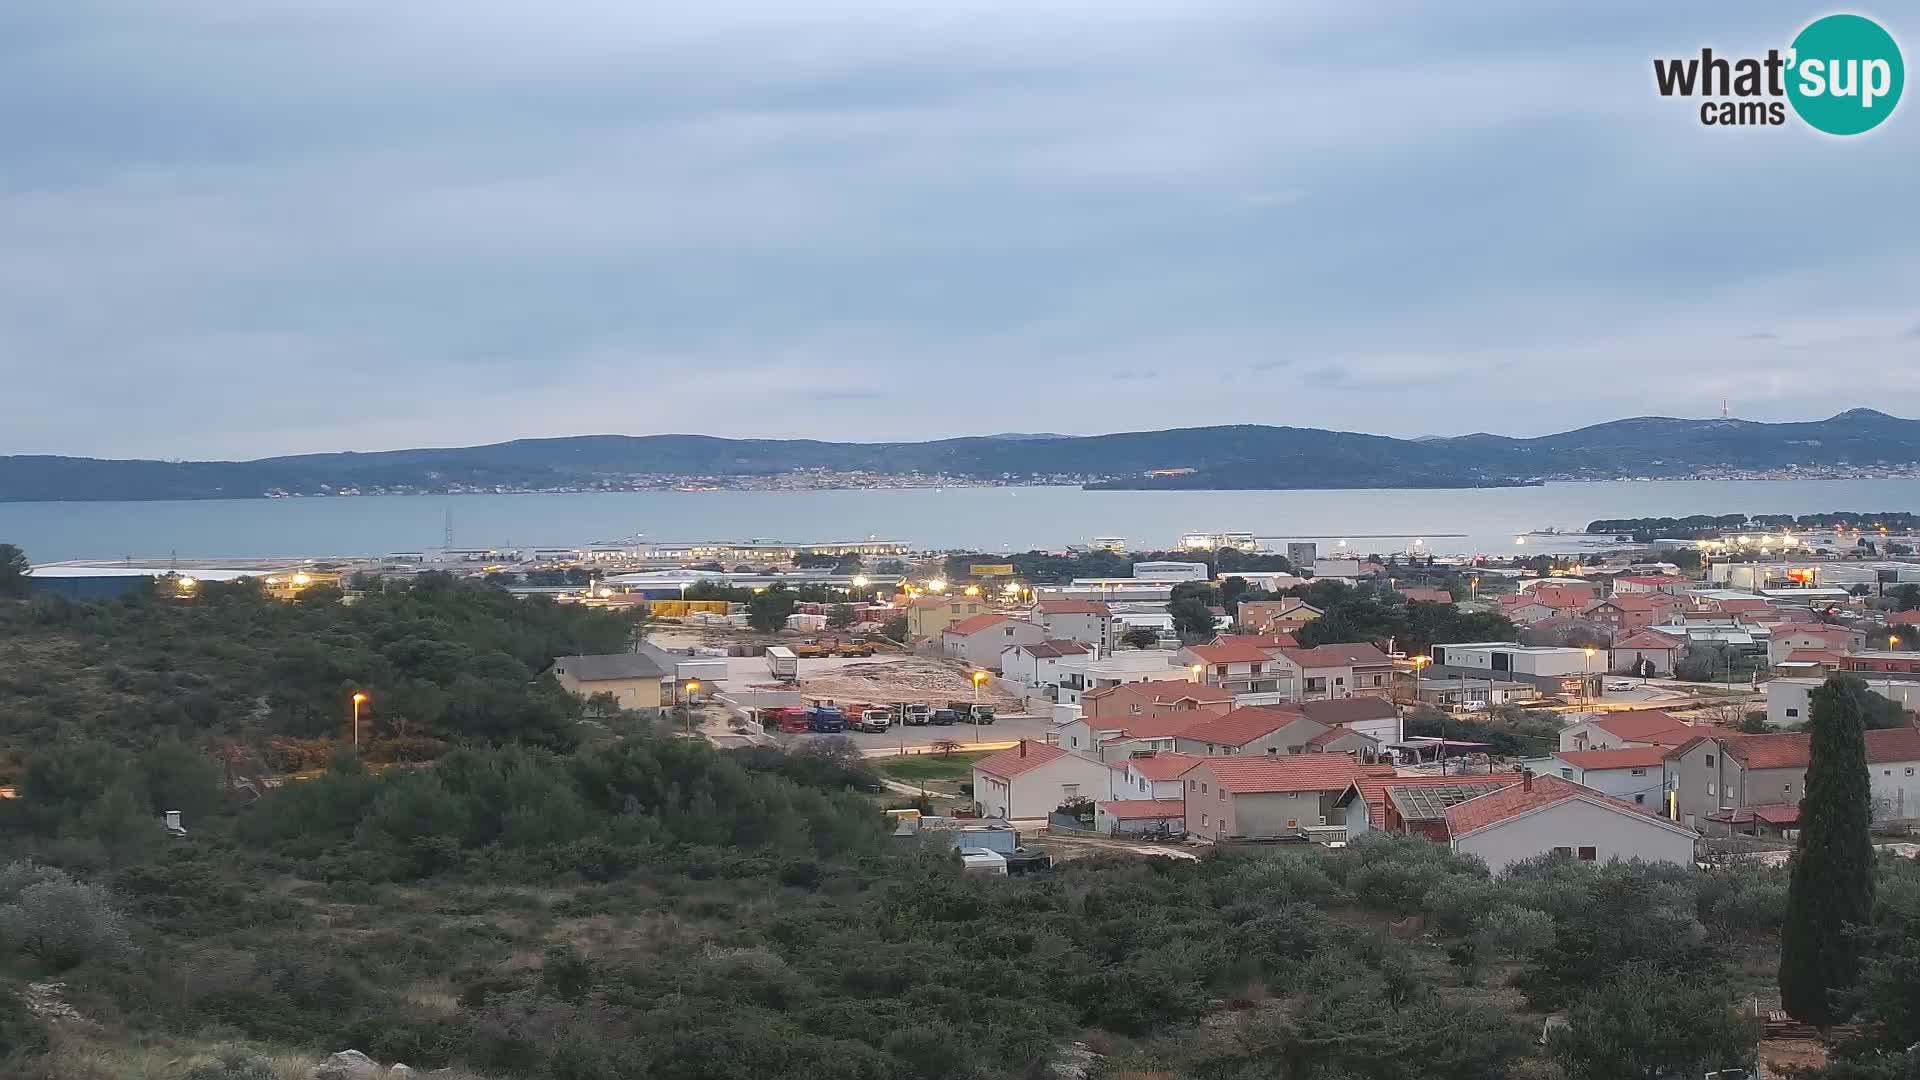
[
  {"x": 1023, "y": 748},
  {"x": 1526, "y": 779}
]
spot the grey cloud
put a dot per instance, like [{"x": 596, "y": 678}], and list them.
[{"x": 485, "y": 221}]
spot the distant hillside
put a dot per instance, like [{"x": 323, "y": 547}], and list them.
[{"x": 1241, "y": 456}]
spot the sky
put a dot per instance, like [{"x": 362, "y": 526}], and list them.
[{"x": 231, "y": 230}]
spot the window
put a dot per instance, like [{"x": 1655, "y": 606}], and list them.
[
  {"x": 1339, "y": 680},
  {"x": 1639, "y": 772},
  {"x": 1192, "y": 784},
  {"x": 1588, "y": 854},
  {"x": 1566, "y": 774},
  {"x": 1203, "y": 789},
  {"x": 1134, "y": 708},
  {"x": 1073, "y": 740},
  {"x": 1223, "y": 794},
  {"x": 1709, "y": 764},
  {"x": 1563, "y": 851},
  {"x": 1709, "y": 788},
  {"x": 1276, "y": 750},
  {"x": 1786, "y": 789},
  {"x": 1793, "y": 712},
  {"x": 1069, "y": 791},
  {"x": 1641, "y": 798},
  {"x": 1909, "y": 770},
  {"x": 1203, "y": 819}
]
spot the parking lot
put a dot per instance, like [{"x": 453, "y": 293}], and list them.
[{"x": 1003, "y": 731}]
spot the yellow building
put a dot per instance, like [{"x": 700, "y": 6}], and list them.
[
  {"x": 632, "y": 678},
  {"x": 929, "y": 616}
]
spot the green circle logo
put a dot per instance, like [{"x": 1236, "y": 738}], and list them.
[{"x": 1845, "y": 74}]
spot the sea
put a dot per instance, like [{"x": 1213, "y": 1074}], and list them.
[{"x": 1495, "y": 521}]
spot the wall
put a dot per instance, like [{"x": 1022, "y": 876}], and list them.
[
  {"x": 1614, "y": 834},
  {"x": 628, "y": 693},
  {"x": 1035, "y": 794},
  {"x": 982, "y": 648},
  {"x": 1291, "y": 739},
  {"x": 1620, "y": 783}
]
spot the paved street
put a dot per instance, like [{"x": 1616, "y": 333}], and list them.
[{"x": 1004, "y": 732}]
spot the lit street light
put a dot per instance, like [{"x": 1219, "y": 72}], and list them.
[
  {"x": 978, "y": 678},
  {"x": 358, "y": 700}
]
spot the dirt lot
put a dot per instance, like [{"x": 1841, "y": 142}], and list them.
[{"x": 907, "y": 678}]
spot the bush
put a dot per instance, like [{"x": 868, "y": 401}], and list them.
[
  {"x": 20, "y": 1032},
  {"x": 234, "y": 1062},
  {"x": 62, "y": 923},
  {"x": 1516, "y": 931}
]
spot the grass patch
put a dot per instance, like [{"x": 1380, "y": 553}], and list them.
[{"x": 924, "y": 767}]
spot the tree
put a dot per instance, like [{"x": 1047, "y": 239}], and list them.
[
  {"x": 1905, "y": 597},
  {"x": 841, "y": 616},
  {"x": 945, "y": 747},
  {"x": 1140, "y": 637},
  {"x": 1646, "y": 1023},
  {"x": 1192, "y": 619},
  {"x": 1832, "y": 886},
  {"x": 175, "y": 776},
  {"x": 767, "y": 612},
  {"x": 13, "y": 571},
  {"x": 895, "y": 628}
]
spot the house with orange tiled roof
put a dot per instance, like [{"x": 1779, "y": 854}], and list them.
[
  {"x": 1543, "y": 815},
  {"x": 1635, "y": 774},
  {"x": 1785, "y": 638},
  {"x": 1722, "y": 771},
  {"x": 1339, "y": 670},
  {"x": 1118, "y": 720},
  {"x": 1650, "y": 583},
  {"x": 980, "y": 639},
  {"x": 1414, "y": 805},
  {"x": 1149, "y": 774},
  {"x": 1255, "y": 729},
  {"x": 1243, "y": 668},
  {"x": 1257, "y": 795},
  {"x": 1623, "y": 613},
  {"x": 1089, "y": 622},
  {"x": 1630, "y": 727},
  {"x": 1430, "y": 596},
  {"x": 1647, "y": 653},
  {"x": 929, "y": 616},
  {"x": 1030, "y": 779},
  {"x": 1286, "y": 615}
]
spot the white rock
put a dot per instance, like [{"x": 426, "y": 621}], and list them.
[{"x": 345, "y": 1065}]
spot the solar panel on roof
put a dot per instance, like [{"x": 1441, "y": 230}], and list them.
[{"x": 1430, "y": 802}]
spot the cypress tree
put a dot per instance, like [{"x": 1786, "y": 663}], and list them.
[{"x": 1832, "y": 886}]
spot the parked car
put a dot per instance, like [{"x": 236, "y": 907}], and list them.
[
  {"x": 943, "y": 717},
  {"x": 875, "y": 720},
  {"x": 1619, "y": 684},
  {"x": 1471, "y": 706}
]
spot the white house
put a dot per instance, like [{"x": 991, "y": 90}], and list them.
[
  {"x": 1089, "y": 622},
  {"x": 1646, "y": 651},
  {"x": 1030, "y": 779},
  {"x": 1631, "y": 727},
  {"x": 1635, "y": 774},
  {"x": 1039, "y": 664},
  {"x": 980, "y": 639},
  {"x": 1150, "y": 774},
  {"x": 1788, "y": 700},
  {"x": 1546, "y": 814},
  {"x": 1240, "y": 667},
  {"x": 1080, "y": 675}
]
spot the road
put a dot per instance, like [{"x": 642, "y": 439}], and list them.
[{"x": 1002, "y": 733}]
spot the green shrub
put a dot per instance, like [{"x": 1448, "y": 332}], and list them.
[
  {"x": 61, "y": 923},
  {"x": 234, "y": 1062}
]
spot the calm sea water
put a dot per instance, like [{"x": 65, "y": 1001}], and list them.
[{"x": 987, "y": 519}]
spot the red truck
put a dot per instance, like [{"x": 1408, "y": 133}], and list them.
[{"x": 786, "y": 719}]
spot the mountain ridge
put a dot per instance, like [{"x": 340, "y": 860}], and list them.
[{"x": 1229, "y": 456}]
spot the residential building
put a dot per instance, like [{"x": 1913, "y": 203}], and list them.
[
  {"x": 1340, "y": 740},
  {"x": 1140, "y": 716},
  {"x": 1652, "y": 583},
  {"x": 1788, "y": 637},
  {"x": 1084, "y": 674},
  {"x": 632, "y": 679},
  {"x": 1883, "y": 662},
  {"x": 1243, "y": 669},
  {"x": 1150, "y": 774},
  {"x": 1628, "y": 728},
  {"x": 1414, "y": 805},
  {"x": 1089, "y": 622},
  {"x": 1031, "y": 779},
  {"x": 1647, "y": 653},
  {"x": 1119, "y": 817},
  {"x": 1286, "y": 615},
  {"x": 1039, "y": 664},
  {"x": 1267, "y": 643},
  {"x": 980, "y": 639},
  {"x": 1790, "y": 700},
  {"x": 1155, "y": 697},
  {"x": 1567, "y": 672},
  {"x": 1336, "y": 568},
  {"x": 1727, "y": 772},
  {"x": 1258, "y": 729},
  {"x": 1546, "y": 814},
  {"x": 1453, "y": 692},
  {"x": 1521, "y": 609},
  {"x": 1338, "y": 671},
  {"x": 1430, "y": 596},
  {"x": 1623, "y": 613},
  {"x": 1375, "y": 717},
  {"x": 1268, "y": 796},
  {"x": 1635, "y": 774},
  {"x": 929, "y": 616}
]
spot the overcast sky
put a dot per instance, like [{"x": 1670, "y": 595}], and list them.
[{"x": 231, "y": 229}]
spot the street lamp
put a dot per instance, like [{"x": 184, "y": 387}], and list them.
[
  {"x": 686, "y": 701},
  {"x": 358, "y": 700},
  {"x": 1197, "y": 669},
  {"x": 978, "y": 677},
  {"x": 1586, "y": 677},
  {"x": 972, "y": 590}
]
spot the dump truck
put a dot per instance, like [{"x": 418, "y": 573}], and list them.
[
  {"x": 979, "y": 713},
  {"x": 786, "y": 718},
  {"x": 874, "y": 721},
  {"x": 826, "y": 720}
]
